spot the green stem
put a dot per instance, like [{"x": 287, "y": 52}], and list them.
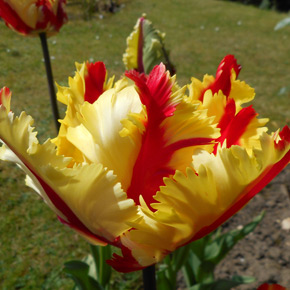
[
  {"x": 170, "y": 273},
  {"x": 149, "y": 280},
  {"x": 49, "y": 79}
]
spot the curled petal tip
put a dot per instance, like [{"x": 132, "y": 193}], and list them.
[{"x": 5, "y": 98}]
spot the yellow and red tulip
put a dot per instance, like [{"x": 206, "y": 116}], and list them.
[
  {"x": 32, "y": 17},
  {"x": 266, "y": 286},
  {"x": 140, "y": 165}
]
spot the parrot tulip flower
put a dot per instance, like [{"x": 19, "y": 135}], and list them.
[
  {"x": 32, "y": 17},
  {"x": 271, "y": 287},
  {"x": 140, "y": 165}
]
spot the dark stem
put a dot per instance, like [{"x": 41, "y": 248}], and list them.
[
  {"x": 49, "y": 79},
  {"x": 149, "y": 280}
]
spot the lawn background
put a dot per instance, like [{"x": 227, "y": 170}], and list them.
[{"x": 199, "y": 33}]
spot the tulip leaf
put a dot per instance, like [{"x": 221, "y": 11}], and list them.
[
  {"x": 79, "y": 272},
  {"x": 102, "y": 269},
  {"x": 179, "y": 257},
  {"x": 163, "y": 282},
  {"x": 221, "y": 245},
  {"x": 188, "y": 272},
  {"x": 207, "y": 252}
]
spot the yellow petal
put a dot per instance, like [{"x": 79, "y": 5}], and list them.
[
  {"x": 196, "y": 88},
  {"x": 196, "y": 200},
  {"x": 98, "y": 137},
  {"x": 88, "y": 192},
  {"x": 26, "y": 10},
  {"x": 241, "y": 93}
]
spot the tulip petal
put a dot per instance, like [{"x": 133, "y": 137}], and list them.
[
  {"x": 224, "y": 83},
  {"x": 98, "y": 137},
  {"x": 87, "y": 197},
  {"x": 193, "y": 204},
  {"x": 5, "y": 98},
  {"x": 89, "y": 82},
  {"x": 166, "y": 130}
]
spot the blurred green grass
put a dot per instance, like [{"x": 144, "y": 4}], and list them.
[{"x": 33, "y": 244}]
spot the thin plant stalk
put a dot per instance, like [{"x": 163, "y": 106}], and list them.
[
  {"x": 50, "y": 79},
  {"x": 149, "y": 280}
]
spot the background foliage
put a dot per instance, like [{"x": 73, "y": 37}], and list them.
[
  {"x": 280, "y": 5},
  {"x": 33, "y": 244}
]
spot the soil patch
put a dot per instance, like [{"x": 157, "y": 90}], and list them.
[{"x": 265, "y": 253}]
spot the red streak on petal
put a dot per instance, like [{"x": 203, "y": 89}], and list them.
[
  {"x": 187, "y": 143},
  {"x": 229, "y": 114},
  {"x": 234, "y": 126},
  {"x": 223, "y": 76},
  {"x": 152, "y": 163},
  {"x": 285, "y": 138},
  {"x": 4, "y": 92},
  {"x": 81, "y": 230},
  {"x": 124, "y": 264},
  {"x": 72, "y": 220},
  {"x": 140, "y": 68},
  {"x": 95, "y": 81},
  {"x": 49, "y": 18},
  {"x": 12, "y": 19},
  {"x": 248, "y": 193},
  {"x": 61, "y": 16}
]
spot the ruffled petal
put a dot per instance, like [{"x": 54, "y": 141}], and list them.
[
  {"x": 89, "y": 82},
  {"x": 87, "y": 197},
  {"x": 170, "y": 125},
  {"x": 98, "y": 137},
  {"x": 227, "y": 72},
  {"x": 192, "y": 205}
]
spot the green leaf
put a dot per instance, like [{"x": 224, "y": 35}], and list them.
[
  {"x": 103, "y": 270},
  {"x": 223, "y": 284},
  {"x": 163, "y": 282},
  {"x": 216, "y": 250},
  {"x": 179, "y": 257},
  {"x": 207, "y": 252},
  {"x": 202, "y": 269},
  {"x": 188, "y": 274},
  {"x": 79, "y": 272},
  {"x": 281, "y": 24},
  {"x": 243, "y": 279}
]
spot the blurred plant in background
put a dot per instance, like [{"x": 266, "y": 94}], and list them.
[
  {"x": 146, "y": 48},
  {"x": 283, "y": 23},
  {"x": 91, "y": 7},
  {"x": 280, "y": 5}
]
